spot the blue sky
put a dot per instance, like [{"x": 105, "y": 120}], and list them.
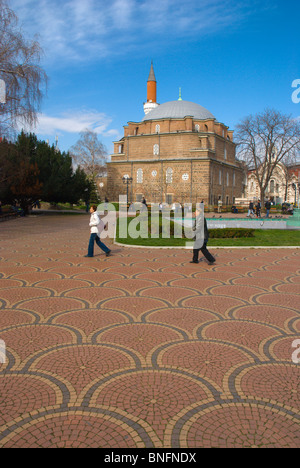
[{"x": 234, "y": 58}]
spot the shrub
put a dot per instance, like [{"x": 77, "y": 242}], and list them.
[{"x": 230, "y": 233}]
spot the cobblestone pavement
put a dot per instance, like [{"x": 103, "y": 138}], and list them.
[{"x": 144, "y": 349}]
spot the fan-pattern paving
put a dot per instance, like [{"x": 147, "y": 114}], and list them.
[{"x": 143, "y": 349}]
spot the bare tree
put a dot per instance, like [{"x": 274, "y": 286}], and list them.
[
  {"x": 264, "y": 140},
  {"x": 90, "y": 154},
  {"x": 20, "y": 74},
  {"x": 287, "y": 163}
]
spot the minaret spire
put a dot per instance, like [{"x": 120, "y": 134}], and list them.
[
  {"x": 151, "y": 91},
  {"x": 151, "y": 74}
]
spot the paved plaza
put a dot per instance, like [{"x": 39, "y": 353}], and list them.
[{"x": 143, "y": 349}]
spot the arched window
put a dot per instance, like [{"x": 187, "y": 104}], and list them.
[
  {"x": 169, "y": 175},
  {"x": 139, "y": 176},
  {"x": 197, "y": 128},
  {"x": 156, "y": 150},
  {"x": 157, "y": 128},
  {"x": 272, "y": 186}
]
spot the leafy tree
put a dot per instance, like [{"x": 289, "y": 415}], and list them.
[
  {"x": 56, "y": 176},
  {"x": 81, "y": 186},
  {"x": 25, "y": 185},
  {"x": 30, "y": 169},
  {"x": 20, "y": 176},
  {"x": 6, "y": 156},
  {"x": 60, "y": 182}
]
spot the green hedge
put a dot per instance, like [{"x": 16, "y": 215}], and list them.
[
  {"x": 230, "y": 233},
  {"x": 226, "y": 233}
]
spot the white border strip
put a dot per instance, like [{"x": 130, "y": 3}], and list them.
[{"x": 211, "y": 247}]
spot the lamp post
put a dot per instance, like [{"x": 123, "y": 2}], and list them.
[{"x": 127, "y": 180}]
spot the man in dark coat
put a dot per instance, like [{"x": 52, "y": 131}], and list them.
[
  {"x": 257, "y": 209},
  {"x": 201, "y": 239}
]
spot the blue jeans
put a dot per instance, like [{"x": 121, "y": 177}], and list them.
[{"x": 95, "y": 238}]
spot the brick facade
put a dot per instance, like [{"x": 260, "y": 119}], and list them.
[{"x": 200, "y": 156}]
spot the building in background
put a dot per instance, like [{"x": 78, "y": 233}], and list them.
[
  {"x": 283, "y": 185},
  {"x": 178, "y": 152}
]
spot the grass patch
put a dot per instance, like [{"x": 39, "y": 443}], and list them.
[{"x": 248, "y": 238}]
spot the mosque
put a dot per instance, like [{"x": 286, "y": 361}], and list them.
[{"x": 178, "y": 152}]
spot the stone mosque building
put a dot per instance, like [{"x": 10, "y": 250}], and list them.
[{"x": 178, "y": 152}]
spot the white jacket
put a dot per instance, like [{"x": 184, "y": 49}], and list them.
[{"x": 96, "y": 224}]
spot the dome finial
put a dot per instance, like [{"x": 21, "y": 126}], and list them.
[{"x": 179, "y": 95}]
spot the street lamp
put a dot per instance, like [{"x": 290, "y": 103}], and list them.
[{"x": 127, "y": 180}]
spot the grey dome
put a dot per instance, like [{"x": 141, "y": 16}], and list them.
[{"x": 179, "y": 110}]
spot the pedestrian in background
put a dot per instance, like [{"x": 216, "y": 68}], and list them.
[
  {"x": 220, "y": 205},
  {"x": 268, "y": 207},
  {"x": 250, "y": 209},
  {"x": 258, "y": 208}
]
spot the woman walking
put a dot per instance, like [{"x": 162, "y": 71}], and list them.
[{"x": 95, "y": 222}]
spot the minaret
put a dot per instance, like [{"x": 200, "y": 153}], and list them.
[{"x": 151, "y": 92}]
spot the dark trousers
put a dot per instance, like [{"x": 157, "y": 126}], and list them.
[
  {"x": 95, "y": 238},
  {"x": 205, "y": 252}
]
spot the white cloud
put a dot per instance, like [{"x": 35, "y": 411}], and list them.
[
  {"x": 74, "y": 123},
  {"x": 88, "y": 29}
]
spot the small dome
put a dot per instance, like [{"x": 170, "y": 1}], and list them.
[{"x": 179, "y": 110}]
